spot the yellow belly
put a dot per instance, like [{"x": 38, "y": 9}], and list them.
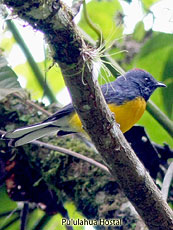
[{"x": 126, "y": 115}]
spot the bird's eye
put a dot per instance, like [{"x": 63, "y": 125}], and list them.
[{"x": 146, "y": 79}]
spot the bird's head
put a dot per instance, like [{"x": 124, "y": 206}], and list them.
[{"x": 143, "y": 81}]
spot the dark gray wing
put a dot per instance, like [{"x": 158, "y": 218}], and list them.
[
  {"x": 66, "y": 110},
  {"x": 120, "y": 91}
]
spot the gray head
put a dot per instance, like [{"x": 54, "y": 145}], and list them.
[{"x": 140, "y": 81}]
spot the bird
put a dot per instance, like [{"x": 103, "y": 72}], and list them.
[{"x": 126, "y": 97}]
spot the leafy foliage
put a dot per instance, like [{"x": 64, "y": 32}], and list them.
[
  {"x": 148, "y": 3},
  {"x": 103, "y": 19},
  {"x": 52, "y": 76},
  {"x": 156, "y": 57},
  {"x": 8, "y": 79}
]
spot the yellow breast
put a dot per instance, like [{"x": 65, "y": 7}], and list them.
[
  {"x": 129, "y": 113},
  {"x": 126, "y": 115}
]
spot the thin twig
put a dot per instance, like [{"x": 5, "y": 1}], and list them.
[
  {"x": 163, "y": 120},
  {"x": 71, "y": 153},
  {"x": 167, "y": 182},
  {"x": 76, "y": 5},
  {"x": 67, "y": 152},
  {"x": 92, "y": 25},
  {"x": 31, "y": 103},
  {"x": 10, "y": 223},
  {"x": 23, "y": 215}
]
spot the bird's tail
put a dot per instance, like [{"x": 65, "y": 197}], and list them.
[{"x": 27, "y": 134}]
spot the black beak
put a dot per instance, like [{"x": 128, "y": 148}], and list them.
[{"x": 160, "y": 84}]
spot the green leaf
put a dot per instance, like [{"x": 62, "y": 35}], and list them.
[
  {"x": 154, "y": 57},
  {"x": 102, "y": 14},
  {"x": 8, "y": 210},
  {"x": 139, "y": 32},
  {"x": 7, "y": 204},
  {"x": 8, "y": 79},
  {"x": 32, "y": 84},
  {"x": 167, "y": 77},
  {"x": 74, "y": 214},
  {"x": 53, "y": 77},
  {"x": 34, "y": 217},
  {"x": 148, "y": 3},
  {"x": 7, "y": 44},
  {"x": 157, "y": 42},
  {"x": 56, "y": 220}
]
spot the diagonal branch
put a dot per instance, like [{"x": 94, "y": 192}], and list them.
[
  {"x": 67, "y": 152},
  {"x": 75, "y": 60},
  {"x": 167, "y": 181}
]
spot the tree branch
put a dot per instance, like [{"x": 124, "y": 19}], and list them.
[
  {"x": 160, "y": 117},
  {"x": 31, "y": 103},
  {"x": 75, "y": 60},
  {"x": 67, "y": 152},
  {"x": 167, "y": 181}
]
